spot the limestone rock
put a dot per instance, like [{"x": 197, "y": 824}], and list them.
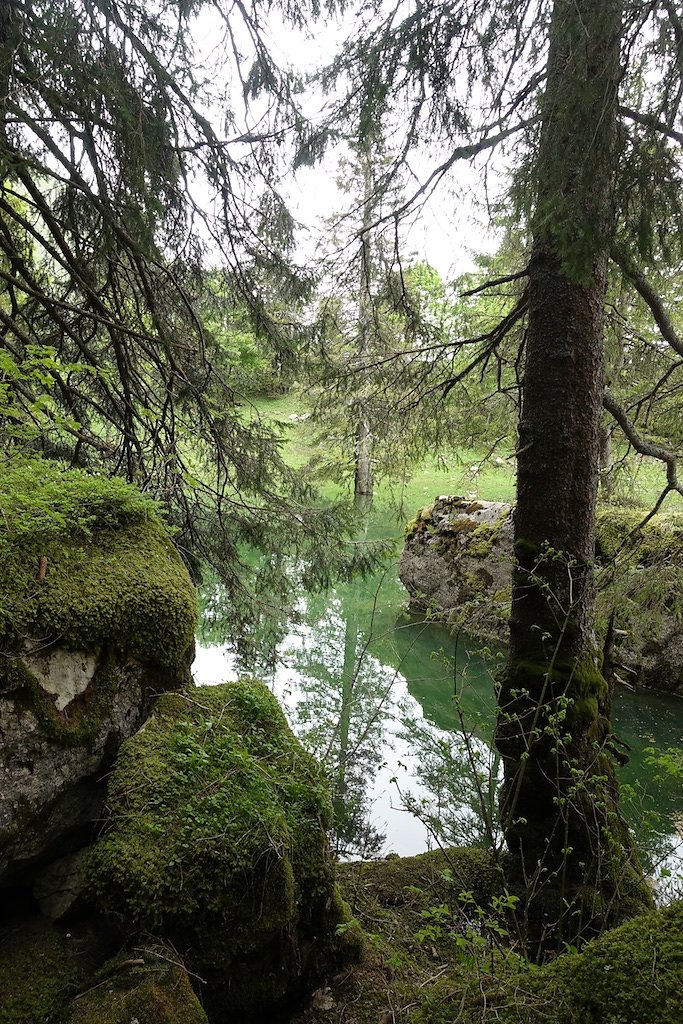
[
  {"x": 457, "y": 558},
  {"x": 457, "y": 564}
]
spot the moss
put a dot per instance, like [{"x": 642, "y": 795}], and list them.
[
  {"x": 149, "y": 986},
  {"x": 216, "y": 840},
  {"x": 629, "y": 975},
  {"x": 483, "y": 540},
  {"x": 126, "y": 587},
  {"x": 398, "y": 968},
  {"x": 578, "y": 679},
  {"x": 438, "y": 874},
  {"x": 422, "y": 519},
  {"x": 112, "y": 575},
  {"x": 38, "y": 974},
  {"x": 661, "y": 539}
]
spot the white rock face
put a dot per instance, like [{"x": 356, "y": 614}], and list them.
[{"x": 63, "y": 674}]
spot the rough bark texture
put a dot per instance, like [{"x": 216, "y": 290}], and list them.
[{"x": 559, "y": 800}]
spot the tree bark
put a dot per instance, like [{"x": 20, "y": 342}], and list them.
[{"x": 559, "y": 799}]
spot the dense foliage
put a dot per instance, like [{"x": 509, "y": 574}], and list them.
[{"x": 126, "y": 169}]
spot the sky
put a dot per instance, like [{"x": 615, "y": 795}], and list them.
[{"x": 449, "y": 229}]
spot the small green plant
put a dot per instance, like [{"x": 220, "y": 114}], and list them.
[{"x": 471, "y": 926}]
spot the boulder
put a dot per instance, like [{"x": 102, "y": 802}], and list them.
[
  {"x": 216, "y": 840},
  {"x": 97, "y": 616},
  {"x": 147, "y": 985},
  {"x": 632, "y": 973},
  {"x": 457, "y": 564},
  {"x": 51, "y": 975}
]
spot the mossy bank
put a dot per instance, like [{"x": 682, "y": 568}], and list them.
[
  {"x": 457, "y": 565},
  {"x": 440, "y": 948}
]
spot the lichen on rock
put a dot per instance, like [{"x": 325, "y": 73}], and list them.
[
  {"x": 457, "y": 562},
  {"x": 216, "y": 839}
]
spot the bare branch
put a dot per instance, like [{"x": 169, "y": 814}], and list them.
[
  {"x": 651, "y": 297},
  {"x": 645, "y": 447},
  {"x": 494, "y": 282},
  {"x": 459, "y": 153},
  {"x": 648, "y": 121}
]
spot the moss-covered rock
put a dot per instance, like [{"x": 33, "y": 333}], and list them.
[
  {"x": 216, "y": 840},
  {"x": 87, "y": 562},
  {"x": 149, "y": 986},
  {"x": 457, "y": 563},
  {"x": 52, "y": 975},
  {"x": 41, "y": 969},
  {"x": 465, "y": 968},
  {"x": 97, "y": 614},
  {"x": 630, "y": 975}
]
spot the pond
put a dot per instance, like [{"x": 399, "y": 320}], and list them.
[{"x": 402, "y": 717}]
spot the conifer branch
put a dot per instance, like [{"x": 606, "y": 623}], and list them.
[
  {"x": 644, "y": 447},
  {"x": 459, "y": 153},
  {"x": 649, "y": 121}
]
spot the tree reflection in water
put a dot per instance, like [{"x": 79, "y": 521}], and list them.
[{"x": 371, "y": 693}]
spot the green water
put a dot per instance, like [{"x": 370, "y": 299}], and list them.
[{"x": 371, "y": 692}]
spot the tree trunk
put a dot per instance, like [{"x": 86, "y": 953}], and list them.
[
  {"x": 10, "y": 39},
  {"x": 363, "y": 482},
  {"x": 560, "y": 800}
]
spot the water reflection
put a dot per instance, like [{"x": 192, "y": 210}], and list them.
[{"x": 402, "y": 717}]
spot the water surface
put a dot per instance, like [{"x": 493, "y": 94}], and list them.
[{"x": 402, "y": 716}]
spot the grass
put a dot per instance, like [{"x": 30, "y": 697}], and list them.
[{"x": 467, "y": 472}]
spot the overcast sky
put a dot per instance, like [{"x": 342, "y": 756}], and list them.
[{"x": 448, "y": 230}]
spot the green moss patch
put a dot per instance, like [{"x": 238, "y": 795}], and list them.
[
  {"x": 87, "y": 561},
  {"x": 628, "y": 976},
  {"x": 619, "y": 532},
  {"x": 149, "y": 986},
  {"x": 216, "y": 840},
  {"x": 421, "y": 926},
  {"x": 38, "y": 974}
]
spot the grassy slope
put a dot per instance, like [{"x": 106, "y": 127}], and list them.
[{"x": 463, "y": 472}]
